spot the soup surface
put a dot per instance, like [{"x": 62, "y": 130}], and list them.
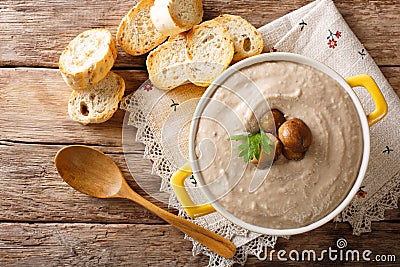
[{"x": 293, "y": 193}]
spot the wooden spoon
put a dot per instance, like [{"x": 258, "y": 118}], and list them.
[{"x": 93, "y": 173}]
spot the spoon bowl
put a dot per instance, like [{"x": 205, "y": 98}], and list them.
[
  {"x": 89, "y": 171},
  {"x": 93, "y": 173}
]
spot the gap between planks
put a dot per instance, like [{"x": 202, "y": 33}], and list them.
[
  {"x": 47, "y": 121},
  {"x": 35, "y": 32}
]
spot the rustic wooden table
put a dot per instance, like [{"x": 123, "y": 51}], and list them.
[{"x": 43, "y": 221}]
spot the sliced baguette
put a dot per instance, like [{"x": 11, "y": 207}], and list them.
[
  {"x": 136, "y": 33},
  {"x": 246, "y": 39},
  {"x": 171, "y": 17},
  {"x": 88, "y": 58},
  {"x": 210, "y": 50},
  {"x": 167, "y": 63},
  {"x": 97, "y": 103}
]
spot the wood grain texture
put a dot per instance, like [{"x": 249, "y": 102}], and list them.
[
  {"x": 83, "y": 244},
  {"x": 32, "y": 190},
  {"x": 392, "y": 74},
  {"x": 326, "y": 236},
  {"x": 94, "y": 245},
  {"x": 26, "y": 42},
  {"x": 44, "y": 222},
  {"x": 34, "y": 106},
  {"x": 93, "y": 173},
  {"x": 47, "y": 121}
]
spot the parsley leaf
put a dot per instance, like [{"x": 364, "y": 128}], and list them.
[{"x": 252, "y": 144}]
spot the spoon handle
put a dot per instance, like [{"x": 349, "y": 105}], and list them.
[{"x": 213, "y": 241}]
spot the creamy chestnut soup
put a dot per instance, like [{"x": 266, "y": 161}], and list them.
[{"x": 294, "y": 193}]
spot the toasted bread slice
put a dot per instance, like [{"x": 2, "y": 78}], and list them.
[
  {"x": 210, "y": 50},
  {"x": 167, "y": 63},
  {"x": 97, "y": 103},
  {"x": 171, "y": 17},
  {"x": 136, "y": 33},
  {"x": 246, "y": 39},
  {"x": 88, "y": 58}
]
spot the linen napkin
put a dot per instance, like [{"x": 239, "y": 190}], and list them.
[{"x": 318, "y": 31}]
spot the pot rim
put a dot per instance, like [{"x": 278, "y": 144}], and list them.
[{"x": 282, "y": 56}]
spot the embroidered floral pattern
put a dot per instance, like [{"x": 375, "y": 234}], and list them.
[
  {"x": 387, "y": 150},
  {"x": 193, "y": 180},
  {"x": 361, "y": 193},
  {"x": 359, "y": 218},
  {"x": 302, "y": 24},
  {"x": 332, "y": 38},
  {"x": 362, "y": 53},
  {"x": 174, "y": 105},
  {"x": 148, "y": 87},
  {"x": 332, "y": 43}
]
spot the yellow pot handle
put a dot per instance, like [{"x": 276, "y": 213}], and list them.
[
  {"x": 177, "y": 182},
  {"x": 368, "y": 83}
]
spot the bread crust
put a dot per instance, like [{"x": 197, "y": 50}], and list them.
[
  {"x": 196, "y": 46},
  {"x": 165, "y": 16},
  {"x": 198, "y": 4},
  {"x": 82, "y": 105},
  {"x": 246, "y": 38},
  {"x": 166, "y": 64},
  {"x": 139, "y": 40},
  {"x": 81, "y": 79}
]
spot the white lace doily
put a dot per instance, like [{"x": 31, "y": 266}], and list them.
[
  {"x": 318, "y": 31},
  {"x": 247, "y": 243}
]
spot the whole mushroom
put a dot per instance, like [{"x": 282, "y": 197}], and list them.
[
  {"x": 272, "y": 121},
  {"x": 292, "y": 155},
  {"x": 295, "y": 135}
]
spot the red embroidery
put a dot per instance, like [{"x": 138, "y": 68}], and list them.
[
  {"x": 361, "y": 193},
  {"x": 332, "y": 42},
  {"x": 148, "y": 87}
]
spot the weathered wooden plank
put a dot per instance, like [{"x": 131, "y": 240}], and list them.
[
  {"x": 35, "y": 32},
  {"x": 378, "y": 41},
  {"x": 393, "y": 215},
  {"x": 392, "y": 74},
  {"x": 33, "y": 110},
  {"x": 33, "y": 107},
  {"x": 32, "y": 190},
  {"x": 95, "y": 245},
  {"x": 382, "y": 240},
  {"x": 160, "y": 245}
]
